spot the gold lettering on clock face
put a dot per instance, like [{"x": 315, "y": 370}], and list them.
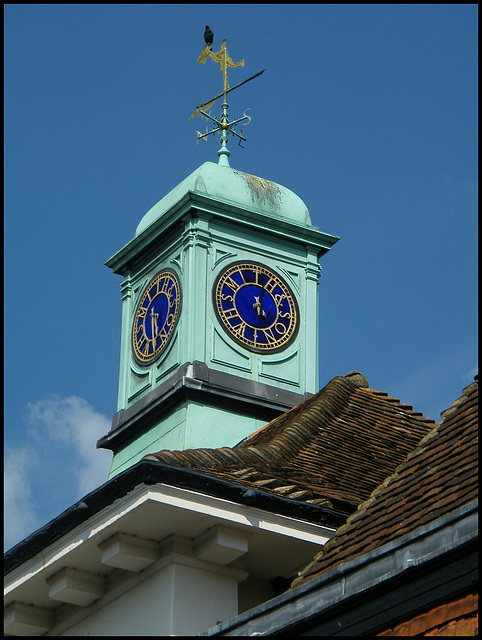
[
  {"x": 155, "y": 317},
  {"x": 256, "y": 307}
]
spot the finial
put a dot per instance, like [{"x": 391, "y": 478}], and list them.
[{"x": 223, "y": 125}]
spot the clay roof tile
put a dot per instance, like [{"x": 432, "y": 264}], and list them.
[
  {"x": 338, "y": 444},
  {"x": 437, "y": 476}
]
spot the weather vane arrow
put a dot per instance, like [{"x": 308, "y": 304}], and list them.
[
  {"x": 207, "y": 105},
  {"x": 223, "y": 125}
]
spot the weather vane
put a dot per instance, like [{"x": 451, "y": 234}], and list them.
[{"x": 223, "y": 125}]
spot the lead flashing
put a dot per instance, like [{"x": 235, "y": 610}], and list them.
[
  {"x": 197, "y": 381},
  {"x": 315, "y": 604}
]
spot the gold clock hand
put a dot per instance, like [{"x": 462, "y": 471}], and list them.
[
  {"x": 154, "y": 328},
  {"x": 258, "y": 307}
]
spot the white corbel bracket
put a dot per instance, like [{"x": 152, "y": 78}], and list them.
[
  {"x": 221, "y": 545},
  {"x": 21, "y": 619},
  {"x": 128, "y": 552},
  {"x": 76, "y": 587}
]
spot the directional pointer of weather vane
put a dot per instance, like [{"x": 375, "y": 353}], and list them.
[{"x": 223, "y": 125}]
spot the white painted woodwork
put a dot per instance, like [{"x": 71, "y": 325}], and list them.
[
  {"x": 76, "y": 587},
  {"x": 221, "y": 545},
  {"x": 178, "y": 595},
  {"x": 90, "y": 581},
  {"x": 127, "y": 552},
  {"x": 21, "y": 619}
]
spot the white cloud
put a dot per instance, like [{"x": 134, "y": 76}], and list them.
[
  {"x": 58, "y": 465},
  {"x": 74, "y": 423},
  {"x": 20, "y": 518}
]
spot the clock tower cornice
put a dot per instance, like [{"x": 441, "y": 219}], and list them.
[{"x": 194, "y": 204}]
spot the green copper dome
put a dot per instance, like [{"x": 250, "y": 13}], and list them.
[{"x": 237, "y": 188}]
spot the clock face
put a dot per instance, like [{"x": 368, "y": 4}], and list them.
[
  {"x": 155, "y": 317},
  {"x": 256, "y": 307}
]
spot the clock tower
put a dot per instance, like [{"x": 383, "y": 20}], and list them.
[{"x": 219, "y": 312}]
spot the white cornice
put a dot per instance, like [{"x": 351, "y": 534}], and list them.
[{"x": 277, "y": 543}]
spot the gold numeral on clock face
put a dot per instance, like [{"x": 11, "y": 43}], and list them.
[
  {"x": 231, "y": 284},
  {"x": 270, "y": 285},
  {"x": 229, "y": 314},
  {"x": 162, "y": 285},
  {"x": 269, "y": 335},
  {"x": 240, "y": 328}
]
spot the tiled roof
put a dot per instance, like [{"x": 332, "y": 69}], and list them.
[
  {"x": 338, "y": 445},
  {"x": 437, "y": 477}
]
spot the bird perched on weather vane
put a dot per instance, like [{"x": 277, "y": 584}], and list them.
[
  {"x": 208, "y": 36},
  {"x": 223, "y": 125}
]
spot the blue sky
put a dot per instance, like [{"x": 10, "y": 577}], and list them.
[{"x": 367, "y": 112}]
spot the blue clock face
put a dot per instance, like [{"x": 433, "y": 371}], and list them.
[
  {"x": 155, "y": 317},
  {"x": 256, "y": 307}
]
